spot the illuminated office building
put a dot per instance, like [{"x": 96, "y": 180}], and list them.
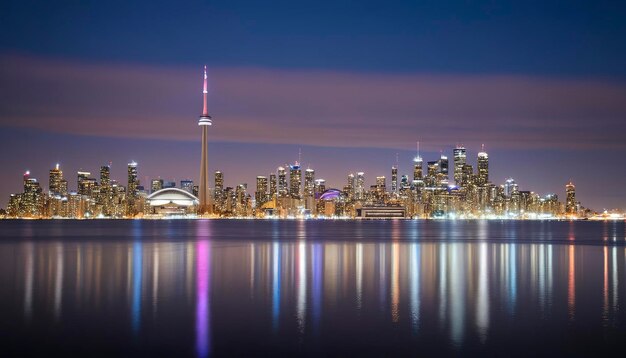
[
  {"x": 431, "y": 174},
  {"x": 442, "y": 171},
  {"x": 83, "y": 182},
  {"x": 55, "y": 182},
  {"x": 105, "y": 197},
  {"x": 295, "y": 181},
  {"x": 156, "y": 185},
  {"x": 510, "y": 187},
  {"x": 260, "y": 196},
  {"x": 309, "y": 183},
  {"x": 132, "y": 189},
  {"x": 282, "y": 183},
  {"x": 483, "y": 167},
  {"x": 320, "y": 186},
  {"x": 31, "y": 198},
  {"x": 460, "y": 160},
  {"x": 360, "y": 186},
  {"x": 418, "y": 165},
  {"x": 273, "y": 189},
  {"x": 350, "y": 187},
  {"x": 187, "y": 185},
  {"x": 394, "y": 180},
  {"x": 218, "y": 180},
  {"x": 570, "y": 198}
]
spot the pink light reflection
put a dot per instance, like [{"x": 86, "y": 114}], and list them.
[{"x": 203, "y": 284}]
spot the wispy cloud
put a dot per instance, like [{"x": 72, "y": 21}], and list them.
[{"x": 312, "y": 107}]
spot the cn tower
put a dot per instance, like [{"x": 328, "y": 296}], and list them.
[{"x": 204, "y": 122}]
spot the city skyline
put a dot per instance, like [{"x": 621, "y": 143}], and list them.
[{"x": 348, "y": 104}]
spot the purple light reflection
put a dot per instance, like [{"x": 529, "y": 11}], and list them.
[{"x": 203, "y": 274}]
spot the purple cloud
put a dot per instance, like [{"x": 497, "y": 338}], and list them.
[{"x": 310, "y": 107}]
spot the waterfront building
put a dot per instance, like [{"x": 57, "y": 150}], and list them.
[
  {"x": 132, "y": 190},
  {"x": 282, "y": 182},
  {"x": 55, "y": 182},
  {"x": 105, "y": 196},
  {"x": 82, "y": 182},
  {"x": 309, "y": 189},
  {"x": 273, "y": 188},
  {"x": 360, "y": 186},
  {"x": 187, "y": 185},
  {"x": 295, "y": 181},
  {"x": 172, "y": 202},
  {"x": 510, "y": 187},
  {"x": 570, "y": 198},
  {"x": 418, "y": 166},
  {"x": 483, "y": 167},
  {"x": 30, "y": 203},
  {"x": 442, "y": 171},
  {"x": 218, "y": 191},
  {"x": 156, "y": 185},
  {"x": 431, "y": 174},
  {"x": 460, "y": 160},
  {"x": 260, "y": 196},
  {"x": 350, "y": 187}
]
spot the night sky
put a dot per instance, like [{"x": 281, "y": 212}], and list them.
[{"x": 353, "y": 85}]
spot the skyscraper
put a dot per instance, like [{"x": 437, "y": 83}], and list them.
[
  {"x": 218, "y": 191},
  {"x": 282, "y": 182},
  {"x": 82, "y": 182},
  {"x": 431, "y": 175},
  {"x": 570, "y": 198},
  {"x": 483, "y": 167},
  {"x": 320, "y": 186},
  {"x": 460, "y": 159},
  {"x": 381, "y": 182},
  {"x": 350, "y": 186},
  {"x": 219, "y": 184},
  {"x": 295, "y": 181},
  {"x": 510, "y": 187},
  {"x": 205, "y": 121},
  {"x": 442, "y": 173},
  {"x": 105, "y": 177},
  {"x": 309, "y": 183},
  {"x": 394, "y": 180},
  {"x": 187, "y": 185},
  {"x": 132, "y": 189},
  {"x": 55, "y": 181},
  {"x": 105, "y": 197},
  {"x": 261, "y": 191},
  {"x": 273, "y": 190},
  {"x": 156, "y": 185},
  {"x": 31, "y": 198},
  {"x": 360, "y": 186},
  {"x": 418, "y": 165}
]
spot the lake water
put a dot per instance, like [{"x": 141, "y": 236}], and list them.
[{"x": 311, "y": 288}]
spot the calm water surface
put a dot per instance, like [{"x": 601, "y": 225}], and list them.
[{"x": 311, "y": 288}]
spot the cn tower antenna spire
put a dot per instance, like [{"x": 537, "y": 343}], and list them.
[{"x": 205, "y": 108}]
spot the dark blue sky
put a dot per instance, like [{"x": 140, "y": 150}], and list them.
[
  {"x": 519, "y": 37},
  {"x": 540, "y": 82}
]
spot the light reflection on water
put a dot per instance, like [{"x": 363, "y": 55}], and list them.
[{"x": 294, "y": 287}]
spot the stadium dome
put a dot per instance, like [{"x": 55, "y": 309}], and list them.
[
  {"x": 330, "y": 194},
  {"x": 172, "y": 196}
]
